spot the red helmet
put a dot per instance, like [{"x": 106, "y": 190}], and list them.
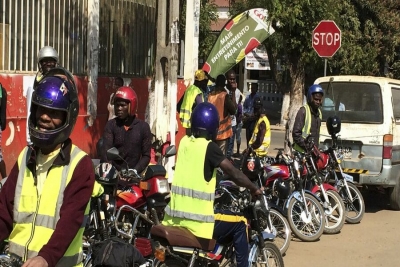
[{"x": 128, "y": 94}]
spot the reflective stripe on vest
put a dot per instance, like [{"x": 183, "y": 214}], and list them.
[
  {"x": 225, "y": 124},
  {"x": 189, "y": 99},
  {"x": 307, "y": 126},
  {"x": 263, "y": 149},
  {"x": 36, "y": 216},
  {"x": 192, "y": 197}
]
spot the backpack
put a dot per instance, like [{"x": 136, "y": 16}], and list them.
[
  {"x": 3, "y": 108},
  {"x": 114, "y": 252}
]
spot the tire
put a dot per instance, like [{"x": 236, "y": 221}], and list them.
[
  {"x": 354, "y": 209},
  {"x": 395, "y": 196},
  {"x": 308, "y": 231},
  {"x": 335, "y": 214},
  {"x": 274, "y": 256},
  {"x": 283, "y": 232}
]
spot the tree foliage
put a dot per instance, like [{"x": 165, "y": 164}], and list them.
[{"x": 208, "y": 15}]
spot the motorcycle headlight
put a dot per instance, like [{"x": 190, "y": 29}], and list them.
[{"x": 163, "y": 186}]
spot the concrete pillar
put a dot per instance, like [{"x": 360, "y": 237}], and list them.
[{"x": 191, "y": 40}]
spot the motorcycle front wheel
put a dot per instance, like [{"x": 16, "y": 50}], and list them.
[
  {"x": 355, "y": 206},
  {"x": 307, "y": 227},
  {"x": 335, "y": 212},
  {"x": 270, "y": 256},
  {"x": 282, "y": 227}
]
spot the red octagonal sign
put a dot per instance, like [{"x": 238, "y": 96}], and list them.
[{"x": 326, "y": 38}]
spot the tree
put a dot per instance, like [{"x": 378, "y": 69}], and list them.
[{"x": 370, "y": 38}]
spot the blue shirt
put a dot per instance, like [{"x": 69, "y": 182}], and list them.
[{"x": 248, "y": 104}]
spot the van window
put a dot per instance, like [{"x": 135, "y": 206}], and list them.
[
  {"x": 353, "y": 102},
  {"x": 396, "y": 104}
]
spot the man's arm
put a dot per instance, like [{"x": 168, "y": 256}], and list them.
[
  {"x": 145, "y": 147},
  {"x": 72, "y": 213},
  {"x": 262, "y": 129},
  {"x": 7, "y": 203},
  {"x": 229, "y": 106},
  {"x": 298, "y": 127}
]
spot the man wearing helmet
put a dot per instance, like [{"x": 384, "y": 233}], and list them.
[
  {"x": 261, "y": 137},
  {"x": 308, "y": 119},
  {"x": 192, "y": 97},
  {"x": 195, "y": 182},
  {"x": 131, "y": 136},
  {"x": 47, "y": 59},
  {"x": 44, "y": 203}
]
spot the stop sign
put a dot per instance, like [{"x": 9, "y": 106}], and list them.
[{"x": 326, "y": 38}]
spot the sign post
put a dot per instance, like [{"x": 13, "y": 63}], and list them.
[{"x": 326, "y": 39}]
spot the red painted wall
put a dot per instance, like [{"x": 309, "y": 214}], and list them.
[{"x": 85, "y": 137}]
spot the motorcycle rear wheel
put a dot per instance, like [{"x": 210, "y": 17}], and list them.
[
  {"x": 273, "y": 256},
  {"x": 306, "y": 231},
  {"x": 356, "y": 208}
]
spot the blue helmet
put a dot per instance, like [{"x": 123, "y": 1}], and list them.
[
  {"x": 205, "y": 121},
  {"x": 315, "y": 88},
  {"x": 59, "y": 92}
]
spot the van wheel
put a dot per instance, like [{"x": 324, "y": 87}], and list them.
[{"x": 395, "y": 195}]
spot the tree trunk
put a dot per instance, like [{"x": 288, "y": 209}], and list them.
[{"x": 296, "y": 99}]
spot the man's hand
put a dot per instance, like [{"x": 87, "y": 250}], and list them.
[
  {"x": 37, "y": 261},
  {"x": 256, "y": 193}
]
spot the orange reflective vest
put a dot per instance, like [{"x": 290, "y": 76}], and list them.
[{"x": 225, "y": 124}]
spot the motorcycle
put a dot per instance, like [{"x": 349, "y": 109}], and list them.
[
  {"x": 343, "y": 182},
  {"x": 331, "y": 201},
  {"x": 177, "y": 246},
  {"x": 284, "y": 183},
  {"x": 10, "y": 261}
]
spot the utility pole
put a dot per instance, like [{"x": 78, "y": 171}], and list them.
[
  {"x": 161, "y": 106},
  {"x": 191, "y": 40}
]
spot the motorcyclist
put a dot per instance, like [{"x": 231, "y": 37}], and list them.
[
  {"x": 308, "y": 119},
  {"x": 261, "y": 137},
  {"x": 130, "y": 135},
  {"x": 195, "y": 182},
  {"x": 44, "y": 203}
]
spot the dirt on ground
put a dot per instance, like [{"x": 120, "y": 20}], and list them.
[{"x": 373, "y": 242}]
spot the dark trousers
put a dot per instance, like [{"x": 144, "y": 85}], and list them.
[
  {"x": 231, "y": 143},
  {"x": 229, "y": 227},
  {"x": 249, "y": 131}
]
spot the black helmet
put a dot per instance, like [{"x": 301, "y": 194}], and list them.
[
  {"x": 252, "y": 166},
  {"x": 333, "y": 124},
  {"x": 106, "y": 174}
]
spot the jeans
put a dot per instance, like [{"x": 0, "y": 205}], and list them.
[
  {"x": 231, "y": 143},
  {"x": 230, "y": 227}
]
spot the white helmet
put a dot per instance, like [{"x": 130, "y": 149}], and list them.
[{"x": 47, "y": 51}]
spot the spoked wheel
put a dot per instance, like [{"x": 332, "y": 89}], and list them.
[
  {"x": 335, "y": 212},
  {"x": 354, "y": 205},
  {"x": 306, "y": 226},
  {"x": 270, "y": 256},
  {"x": 282, "y": 228}
]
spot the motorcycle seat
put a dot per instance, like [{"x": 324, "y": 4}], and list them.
[
  {"x": 154, "y": 170},
  {"x": 182, "y": 237}
]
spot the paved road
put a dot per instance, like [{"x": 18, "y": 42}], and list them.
[{"x": 373, "y": 242}]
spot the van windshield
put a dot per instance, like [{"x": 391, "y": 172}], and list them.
[{"x": 352, "y": 102}]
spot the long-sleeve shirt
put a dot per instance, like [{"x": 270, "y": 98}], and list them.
[
  {"x": 299, "y": 124},
  {"x": 248, "y": 104},
  {"x": 76, "y": 197},
  {"x": 133, "y": 143}
]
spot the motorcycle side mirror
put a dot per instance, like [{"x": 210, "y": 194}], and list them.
[
  {"x": 170, "y": 151},
  {"x": 113, "y": 154}
]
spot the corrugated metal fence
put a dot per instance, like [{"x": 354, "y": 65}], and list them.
[{"x": 126, "y": 41}]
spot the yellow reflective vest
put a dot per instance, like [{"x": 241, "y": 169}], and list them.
[
  {"x": 307, "y": 126},
  {"x": 192, "y": 197},
  {"x": 187, "y": 104},
  {"x": 263, "y": 149},
  {"x": 36, "y": 217}
]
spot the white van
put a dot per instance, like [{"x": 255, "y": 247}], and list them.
[{"x": 369, "y": 109}]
